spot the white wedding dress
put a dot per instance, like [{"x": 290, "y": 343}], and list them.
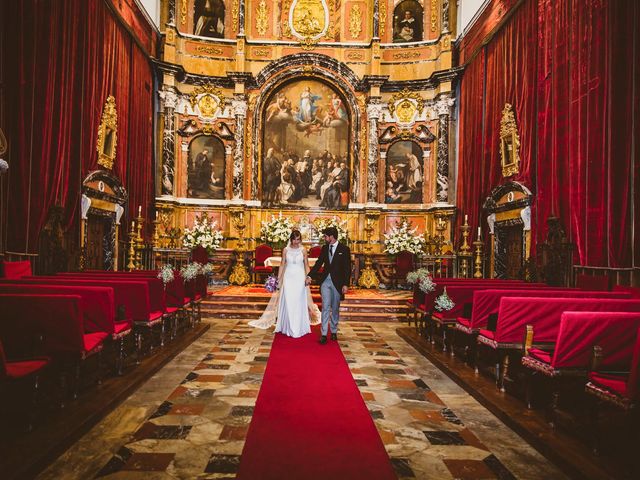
[{"x": 291, "y": 308}]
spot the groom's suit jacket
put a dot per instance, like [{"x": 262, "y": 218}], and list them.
[{"x": 339, "y": 268}]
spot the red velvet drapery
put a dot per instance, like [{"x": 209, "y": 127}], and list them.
[
  {"x": 66, "y": 58},
  {"x": 568, "y": 68}
]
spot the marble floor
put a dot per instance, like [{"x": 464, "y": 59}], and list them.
[{"x": 191, "y": 418}]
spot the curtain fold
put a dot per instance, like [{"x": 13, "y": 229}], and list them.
[
  {"x": 67, "y": 58},
  {"x": 568, "y": 68}
]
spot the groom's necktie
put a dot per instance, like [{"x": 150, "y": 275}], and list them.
[{"x": 331, "y": 252}]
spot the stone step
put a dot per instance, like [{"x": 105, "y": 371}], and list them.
[
  {"x": 245, "y": 299},
  {"x": 344, "y": 315}
]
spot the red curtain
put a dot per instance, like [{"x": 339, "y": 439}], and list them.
[
  {"x": 66, "y": 58},
  {"x": 568, "y": 68},
  {"x": 469, "y": 192}
]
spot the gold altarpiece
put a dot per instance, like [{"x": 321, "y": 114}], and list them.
[{"x": 258, "y": 98}]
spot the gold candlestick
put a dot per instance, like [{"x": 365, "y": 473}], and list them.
[
  {"x": 465, "y": 250},
  {"x": 239, "y": 274},
  {"x": 368, "y": 277},
  {"x": 139, "y": 241},
  {"x": 478, "y": 244},
  {"x": 131, "y": 253}
]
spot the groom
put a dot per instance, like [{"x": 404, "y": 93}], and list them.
[{"x": 334, "y": 280}]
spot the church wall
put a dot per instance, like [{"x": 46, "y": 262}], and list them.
[{"x": 570, "y": 80}]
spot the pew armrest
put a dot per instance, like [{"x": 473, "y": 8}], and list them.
[
  {"x": 528, "y": 339},
  {"x": 596, "y": 358}
]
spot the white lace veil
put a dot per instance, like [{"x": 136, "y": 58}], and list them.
[{"x": 270, "y": 315}]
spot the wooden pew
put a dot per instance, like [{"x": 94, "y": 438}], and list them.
[{"x": 543, "y": 315}]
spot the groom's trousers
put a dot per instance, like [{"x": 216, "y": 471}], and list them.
[{"x": 330, "y": 306}]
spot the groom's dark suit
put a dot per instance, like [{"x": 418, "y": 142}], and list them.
[{"x": 339, "y": 268}]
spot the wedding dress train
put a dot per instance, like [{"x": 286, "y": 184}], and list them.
[{"x": 291, "y": 308}]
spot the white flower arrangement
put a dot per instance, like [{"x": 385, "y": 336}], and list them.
[
  {"x": 166, "y": 274},
  {"x": 276, "y": 230},
  {"x": 422, "y": 277},
  {"x": 207, "y": 269},
  {"x": 341, "y": 225},
  {"x": 190, "y": 271},
  {"x": 444, "y": 303},
  {"x": 404, "y": 238},
  {"x": 204, "y": 233}
]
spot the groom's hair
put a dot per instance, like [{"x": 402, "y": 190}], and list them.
[{"x": 331, "y": 231}]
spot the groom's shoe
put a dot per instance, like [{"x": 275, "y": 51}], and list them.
[
  {"x": 323, "y": 339},
  {"x": 334, "y": 336}
]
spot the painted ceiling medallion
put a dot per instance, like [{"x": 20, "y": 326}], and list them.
[
  {"x": 309, "y": 21},
  {"x": 208, "y": 99}
]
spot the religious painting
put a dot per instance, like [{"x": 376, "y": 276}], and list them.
[
  {"x": 209, "y": 18},
  {"x": 404, "y": 175},
  {"x": 407, "y": 22},
  {"x": 305, "y": 158},
  {"x": 205, "y": 168}
]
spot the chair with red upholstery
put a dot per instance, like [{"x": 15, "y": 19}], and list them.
[
  {"x": 259, "y": 268},
  {"x": 199, "y": 254},
  {"x": 26, "y": 369},
  {"x": 314, "y": 252},
  {"x": 404, "y": 263},
  {"x": 15, "y": 270}
]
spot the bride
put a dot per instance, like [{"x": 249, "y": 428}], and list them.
[{"x": 291, "y": 307}]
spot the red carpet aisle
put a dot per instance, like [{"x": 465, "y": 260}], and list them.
[{"x": 310, "y": 421}]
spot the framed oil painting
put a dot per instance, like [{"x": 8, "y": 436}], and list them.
[
  {"x": 305, "y": 155},
  {"x": 404, "y": 173},
  {"x": 206, "y": 168},
  {"x": 407, "y": 22},
  {"x": 209, "y": 18}
]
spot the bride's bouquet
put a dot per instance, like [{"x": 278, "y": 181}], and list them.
[{"x": 271, "y": 285}]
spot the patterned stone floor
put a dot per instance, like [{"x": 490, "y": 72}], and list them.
[{"x": 190, "y": 420}]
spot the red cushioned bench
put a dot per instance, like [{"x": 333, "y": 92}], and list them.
[
  {"x": 22, "y": 370},
  {"x": 620, "y": 389},
  {"x": 578, "y": 333},
  {"x": 538, "y": 318},
  {"x": 98, "y": 304},
  {"x": 57, "y": 321},
  {"x": 486, "y": 303},
  {"x": 461, "y": 293},
  {"x": 134, "y": 295}
]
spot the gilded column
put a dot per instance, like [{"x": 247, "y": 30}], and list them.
[
  {"x": 443, "y": 108},
  {"x": 374, "y": 110},
  {"x": 239, "y": 105},
  {"x": 169, "y": 101}
]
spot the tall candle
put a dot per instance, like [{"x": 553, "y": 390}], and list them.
[
  {"x": 479, "y": 232},
  {"x": 139, "y": 210},
  {"x": 156, "y": 214},
  {"x": 466, "y": 218}
]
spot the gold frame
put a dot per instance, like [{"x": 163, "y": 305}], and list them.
[
  {"x": 108, "y": 134},
  {"x": 509, "y": 142}
]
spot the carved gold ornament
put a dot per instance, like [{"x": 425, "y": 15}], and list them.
[
  {"x": 208, "y": 99},
  {"x": 509, "y": 142},
  {"x": 108, "y": 134},
  {"x": 382, "y": 16},
  {"x": 309, "y": 21},
  {"x": 183, "y": 12},
  {"x": 355, "y": 21},
  {"x": 405, "y": 111},
  {"x": 262, "y": 19},
  {"x": 434, "y": 15},
  {"x": 401, "y": 105},
  {"x": 235, "y": 8}
]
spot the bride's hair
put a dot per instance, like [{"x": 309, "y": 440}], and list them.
[{"x": 295, "y": 234}]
